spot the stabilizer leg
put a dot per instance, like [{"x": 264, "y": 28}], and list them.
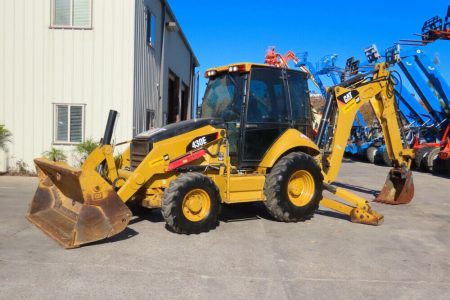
[{"x": 361, "y": 212}]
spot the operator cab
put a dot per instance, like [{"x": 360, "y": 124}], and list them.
[{"x": 258, "y": 104}]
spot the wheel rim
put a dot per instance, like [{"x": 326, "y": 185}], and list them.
[
  {"x": 301, "y": 188},
  {"x": 196, "y": 205}
]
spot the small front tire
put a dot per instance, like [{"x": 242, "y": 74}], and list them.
[{"x": 191, "y": 204}]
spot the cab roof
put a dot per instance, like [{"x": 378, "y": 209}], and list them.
[{"x": 245, "y": 67}]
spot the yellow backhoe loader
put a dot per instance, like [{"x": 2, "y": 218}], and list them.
[{"x": 253, "y": 142}]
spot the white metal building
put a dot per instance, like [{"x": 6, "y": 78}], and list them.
[{"x": 65, "y": 63}]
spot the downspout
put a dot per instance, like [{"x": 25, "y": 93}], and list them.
[
  {"x": 134, "y": 61},
  {"x": 161, "y": 63},
  {"x": 191, "y": 94},
  {"x": 197, "y": 87}
]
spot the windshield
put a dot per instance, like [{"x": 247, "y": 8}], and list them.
[{"x": 223, "y": 97}]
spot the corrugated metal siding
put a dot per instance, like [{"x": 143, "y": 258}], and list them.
[
  {"x": 40, "y": 66},
  {"x": 177, "y": 58},
  {"x": 150, "y": 86},
  {"x": 147, "y": 64}
]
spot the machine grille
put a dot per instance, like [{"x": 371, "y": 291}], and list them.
[{"x": 138, "y": 151}]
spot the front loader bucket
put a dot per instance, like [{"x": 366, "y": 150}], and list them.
[
  {"x": 75, "y": 206},
  {"x": 398, "y": 188}
]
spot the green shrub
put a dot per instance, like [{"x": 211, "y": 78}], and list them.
[
  {"x": 5, "y": 137},
  {"x": 55, "y": 154},
  {"x": 85, "y": 148},
  {"x": 22, "y": 167}
]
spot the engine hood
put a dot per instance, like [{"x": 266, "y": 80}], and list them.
[{"x": 158, "y": 134}]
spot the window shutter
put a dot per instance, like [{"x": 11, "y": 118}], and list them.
[
  {"x": 82, "y": 13},
  {"x": 62, "y": 12},
  {"x": 62, "y": 125},
  {"x": 76, "y": 123}
]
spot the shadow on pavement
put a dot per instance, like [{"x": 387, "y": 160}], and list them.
[
  {"x": 124, "y": 235},
  {"x": 147, "y": 214},
  {"x": 332, "y": 214},
  {"x": 139, "y": 214},
  {"x": 357, "y": 188},
  {"x": 230, "y": 213},
  {"x": 442, "y": 175},
  {"x": 244, "y": 211}
]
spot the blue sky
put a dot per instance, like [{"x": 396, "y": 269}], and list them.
[{"x": 222, "y": 32}]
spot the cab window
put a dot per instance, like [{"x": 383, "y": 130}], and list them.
[
  {"x": 267, "y": 99},
  {"x": 300, "y": 102},
  {"x": 222, "y": 97},
  {"x": 267, "y": 113}
]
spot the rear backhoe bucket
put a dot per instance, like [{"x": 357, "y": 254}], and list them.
[
  {"x": 75, "y": 206},
  {"x": 398, "y": 188}
]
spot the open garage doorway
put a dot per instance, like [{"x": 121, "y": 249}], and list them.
[
  {"x": 173, "y": 110},
  {"x": 184, "y": 102}
]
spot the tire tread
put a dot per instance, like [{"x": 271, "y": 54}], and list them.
[
  {"x": 173, "y": 197},
  {"x": 275, "y": 204}
]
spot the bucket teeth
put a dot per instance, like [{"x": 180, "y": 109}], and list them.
[{"x": 398, "y": 188}]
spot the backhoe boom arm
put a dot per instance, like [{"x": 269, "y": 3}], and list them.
[{"x": 379, "y": 91}]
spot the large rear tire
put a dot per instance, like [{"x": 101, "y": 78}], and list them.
[
  {"x": 293, "y": 188},
  {"x": 370, "y": 154},
  {"x": 191, "y": 204},
  {"x": 419, "y": 161}
]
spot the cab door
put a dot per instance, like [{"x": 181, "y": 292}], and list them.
[
  {"x": 300, "y": 102},
  {"x": 266, "y": 114}
]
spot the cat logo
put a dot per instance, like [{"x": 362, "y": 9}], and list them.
[{"x": 347, "y": 97}]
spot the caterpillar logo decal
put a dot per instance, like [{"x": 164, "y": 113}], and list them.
[
  {"x": 347, "y": 97},
  {"x": 200, "y": 141}
]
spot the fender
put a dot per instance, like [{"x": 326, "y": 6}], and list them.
[{"x": 291, "y": 139}]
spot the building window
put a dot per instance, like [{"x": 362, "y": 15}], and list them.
[
  {"x": 71, "y": 13},
  {"x": 69, "y": 123},
  {"x": 150, "y": 19}
]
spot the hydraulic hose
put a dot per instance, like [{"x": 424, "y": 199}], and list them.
[{"x": 325, "y": 119}]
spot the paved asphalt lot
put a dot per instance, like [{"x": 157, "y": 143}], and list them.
[{"x": 248, "y": 256}]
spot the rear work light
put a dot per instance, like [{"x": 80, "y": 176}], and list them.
[
  {"x": 210, "y": 73},
  {"x": 239, "y": 68}
]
